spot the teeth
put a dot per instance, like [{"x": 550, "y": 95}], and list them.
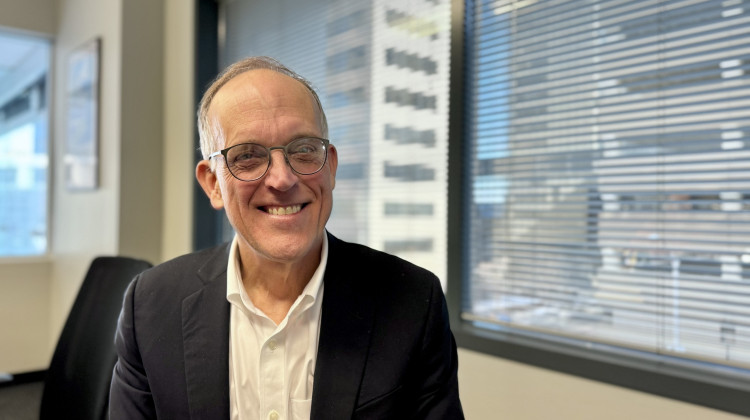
[{"x": 281, "y": 211}]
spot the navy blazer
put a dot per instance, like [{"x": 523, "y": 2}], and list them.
[{"x": 385, "y": 350}]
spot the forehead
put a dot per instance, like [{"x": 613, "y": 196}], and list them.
[
  {"x": 263, "y": 105},
  {"x": 262, "y": 89}
]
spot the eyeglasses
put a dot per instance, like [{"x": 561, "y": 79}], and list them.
[{"x": 250, "y": 161}]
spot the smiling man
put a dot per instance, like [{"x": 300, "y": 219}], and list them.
[{"x": 286, "y": 321}]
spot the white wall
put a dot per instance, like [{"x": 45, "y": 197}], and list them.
[
  {"x": 84, "y": 223},
  {"x": 123, "y": 215},
  {"x": 494, "y": 388},
  {"x": 37, "y": 16},
  {"x": 179, "y": 128},
  {"x": 24, "y": 315}
]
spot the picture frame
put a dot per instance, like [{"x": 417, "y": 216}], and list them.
[{"x": 81, "y": 147}]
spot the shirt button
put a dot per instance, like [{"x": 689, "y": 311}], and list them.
[
  {"x": 273, "y": 415},
  {"x": 272, "y": 345}
]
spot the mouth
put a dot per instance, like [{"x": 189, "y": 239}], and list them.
[{"x": 283, "y": 210}]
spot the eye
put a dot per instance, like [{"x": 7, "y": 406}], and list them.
[
  {"x": 305, "y": 149},
  {"x": 247, "y": 156},
  {"x": 304, "y": 146}
]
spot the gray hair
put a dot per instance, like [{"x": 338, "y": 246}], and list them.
[{"x": 208, "y": 136}]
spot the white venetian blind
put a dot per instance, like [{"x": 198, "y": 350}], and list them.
[{"x": 609, "y": 156}]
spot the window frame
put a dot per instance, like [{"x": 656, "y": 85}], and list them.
[
  {"x": 670, "y": 381},
  {"x": 207, "y": 223}
]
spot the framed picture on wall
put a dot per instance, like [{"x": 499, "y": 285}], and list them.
[{"x": 81, "y": 150}]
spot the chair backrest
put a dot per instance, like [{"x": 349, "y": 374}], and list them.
[{"x": 77, "y": 381}]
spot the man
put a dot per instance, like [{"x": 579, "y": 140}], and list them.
[{"x": 287, "y": 321}]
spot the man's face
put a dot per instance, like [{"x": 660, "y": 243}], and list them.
[{"x": 268, "y": 108}]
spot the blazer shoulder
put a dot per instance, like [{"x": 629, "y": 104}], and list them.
[
  {"x": 380, "y": 267},
  {"x": 186, "y": 272}
]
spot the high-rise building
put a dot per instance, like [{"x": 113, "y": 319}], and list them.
[
  {"x": 388, "y": 65},
  {"x": 382, "y": 70}
]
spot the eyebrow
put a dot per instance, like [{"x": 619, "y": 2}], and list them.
[{"x": 289, "y": 140}]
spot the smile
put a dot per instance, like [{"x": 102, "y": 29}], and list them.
[{"x": 282, "y": 211}]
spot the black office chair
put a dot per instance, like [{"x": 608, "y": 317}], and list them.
[{"x": 77, "y": 381}]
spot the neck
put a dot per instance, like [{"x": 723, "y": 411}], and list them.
[{"x": 273, "y": 286}]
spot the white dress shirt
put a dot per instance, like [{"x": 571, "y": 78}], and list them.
[{"x": 271, "y": 366}]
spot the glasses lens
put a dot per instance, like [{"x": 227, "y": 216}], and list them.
[
  {"x": 307, "y": 155},
  {"x": 247, "y": 161}
]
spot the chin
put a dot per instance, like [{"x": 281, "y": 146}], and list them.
[{"x": 287, "y": 248}]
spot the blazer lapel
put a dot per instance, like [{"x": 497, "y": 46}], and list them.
[
  {"x": 344, "y": 338},
  {"x": 205, "y": 332}
]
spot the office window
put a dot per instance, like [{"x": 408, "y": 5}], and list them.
[
  {"x": 24, "y": 63},
  {"x": 409, "y": 172},
  {"x": 347, "y": 98},
  {"x": 404, "y": 97},
  {"x": 407, "y": 135},
  {"x": 409, "y": 245},
  {"x": 411, "y": 61},
  {"x": 381, "y": 69},
  {"x": 352, "y": 59},
  {"x": 608, "y": 181},
  {"x": 409, "y": 209}
]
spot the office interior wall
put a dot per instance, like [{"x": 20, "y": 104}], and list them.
[
  {"x": 179, "y": 128},
  {"x": 124, "y": 215},
  {"x": 84, "y": 223},
  {"x": 141, "y": 129},
  {"x": 38, "y": 16},
  {"x": 24, "y": 315},
  {"x": 494, "y": 388}
]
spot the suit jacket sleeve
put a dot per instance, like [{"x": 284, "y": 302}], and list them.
[{"x": 130, "y": 397}]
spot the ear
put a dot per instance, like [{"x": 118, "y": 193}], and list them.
[
  {"x": 209, "y": 181},
  {"x": 333, "y": 163}
]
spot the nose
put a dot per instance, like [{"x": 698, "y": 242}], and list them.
[{"x": 280, "y": 175}]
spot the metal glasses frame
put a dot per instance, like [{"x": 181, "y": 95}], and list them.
[{"x": 283, "y": 149}]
